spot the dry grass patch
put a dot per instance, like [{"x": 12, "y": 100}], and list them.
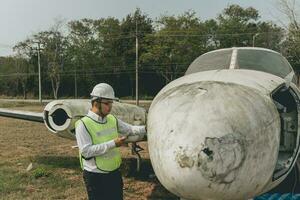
[{"x": 55, "y": 172}]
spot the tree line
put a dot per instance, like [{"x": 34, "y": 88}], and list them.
[{"x": 76, "y": 55}]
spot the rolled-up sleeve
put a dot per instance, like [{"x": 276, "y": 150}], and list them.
[
  {"x": 86, "y": 146},
  {"x": 133, "y": 133}
]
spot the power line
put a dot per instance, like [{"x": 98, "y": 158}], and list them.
[
  {"x": 18, "y": 74},
  {"x": 162, "y": 33},
  {"x": 95, "y": 72},
  {"x": 103, "y": 69},
  {"x": 208, "y": 35}
]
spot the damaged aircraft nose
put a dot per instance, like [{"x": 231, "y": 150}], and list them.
[{"x": 214, "y": 137}]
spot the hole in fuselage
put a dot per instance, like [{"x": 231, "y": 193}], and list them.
[
  {"x": 59, "y": 117},
  {"x": 207, "y": 151},
  {"x": 286, "y": 101}
]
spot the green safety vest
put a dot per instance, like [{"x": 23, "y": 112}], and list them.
[{"x": 101, "y": 133}]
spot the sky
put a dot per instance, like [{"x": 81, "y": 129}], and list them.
[{"x": 19, "y": 19}]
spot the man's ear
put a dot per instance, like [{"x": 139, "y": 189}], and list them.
[{"x": 94, "y": 103}]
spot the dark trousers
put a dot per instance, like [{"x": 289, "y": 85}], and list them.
[{"x": 104, "y": 186}]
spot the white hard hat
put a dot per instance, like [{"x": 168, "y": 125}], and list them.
[{"x": 103, "y": 90}]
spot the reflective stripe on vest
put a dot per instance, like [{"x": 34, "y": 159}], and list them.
[{"x": 101, "y": 133}]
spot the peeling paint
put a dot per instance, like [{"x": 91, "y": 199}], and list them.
[
  {"x": 225, "y": 137},
  {"x": 184, "y": 89},
  {"x": 184, "y": 159},
  {"x": 219, "y": 160}
]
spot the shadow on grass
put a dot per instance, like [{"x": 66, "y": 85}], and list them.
[
  {"x": 67, "y": 162},
  {"x": 146, "y": 173},
  {"x": 129, "y": 169}
]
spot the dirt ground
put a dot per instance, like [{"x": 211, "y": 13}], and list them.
[{"x": 55, "y": 172}]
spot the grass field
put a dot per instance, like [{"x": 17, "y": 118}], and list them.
[{"x": 55, "y": 172}]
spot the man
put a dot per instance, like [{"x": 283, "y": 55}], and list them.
[{"x": 99, "y": 134}]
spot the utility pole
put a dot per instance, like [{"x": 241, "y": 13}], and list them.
[
  {"x": 39, "y": 66},
  {"x": 136, "y": 64},
  {"x": 75, "y": 60},
  {"x": 253, "y": 39},
  {"x": 75, "y": 82}
]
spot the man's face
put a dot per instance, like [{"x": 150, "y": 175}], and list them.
[{"x": 106, "y": 106}]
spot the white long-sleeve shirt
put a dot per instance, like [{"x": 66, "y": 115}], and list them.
[{"x": 88, "y": 150}]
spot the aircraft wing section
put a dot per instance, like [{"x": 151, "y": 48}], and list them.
[{"x": 24, "y": 115}]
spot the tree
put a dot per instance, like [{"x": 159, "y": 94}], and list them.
[
  {"x": 23, "y": 72},
  {"x": 8, "y": 80},
  {"x": 175, "y": 44},
  {"x": 236, "y": 26},
  {"x": 290, "y": 9},
  {"x": 104, "y": 49},
  {"x": 84, "y": 52},
  {"x": 291, "y": 45},
  {"x": 269, "y": 36},
  {"x": 53, "y": 53},
  {"x": 239, "y": 26},
  {"x": 134, "y": 25},
  {"x": 23, "y": 67}
]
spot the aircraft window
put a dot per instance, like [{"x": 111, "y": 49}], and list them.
[
  {"x": 211, "y": 61},
  {"x": 265, "y": 61}
]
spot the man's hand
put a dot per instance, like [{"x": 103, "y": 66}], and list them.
[{"x": 120, "y": 141}]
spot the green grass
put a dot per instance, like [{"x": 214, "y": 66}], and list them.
[
  {"x": 67, "y": 162},
  {"x": 40, "y": 172},
  {"x": 42, "y": 182},
  {"x": 10, "y": 179}
]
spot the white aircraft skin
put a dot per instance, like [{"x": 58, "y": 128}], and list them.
[
  {"x": 232, "y": 117},
  {"x": 218, "y": 133},
  {"x": 213, "y": 133},
  {"x": 59, "y": 116}
]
